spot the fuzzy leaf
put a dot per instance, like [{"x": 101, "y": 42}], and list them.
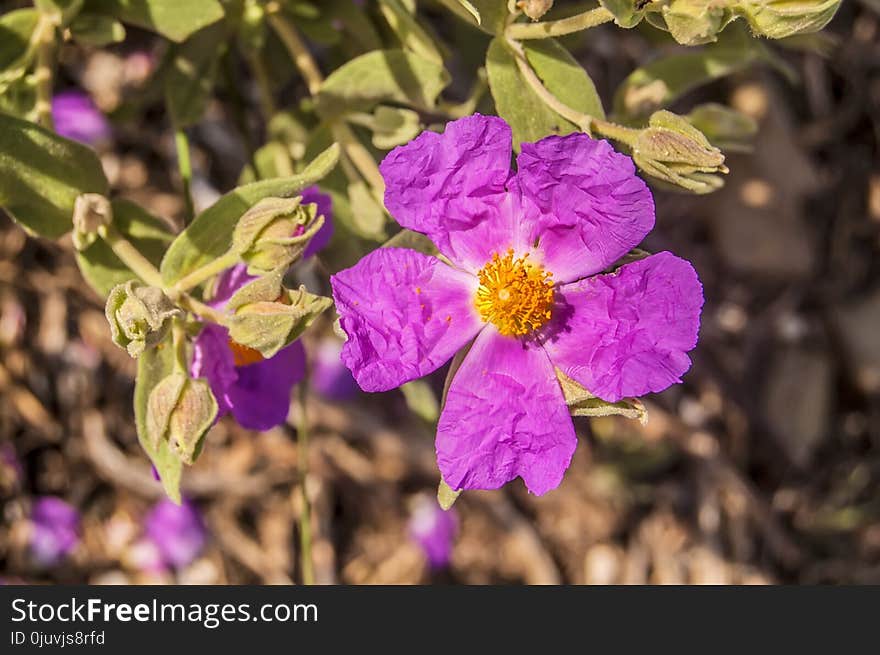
[
  {"x": 174, "y": 19},
  {"x": 41, "y": 175},
  {"x": 189, "y": 80},
  {"x": 210, "y": 235},
  {"x": 421, "y": 400},
  {"x": 529, "y": 117},
  {"x": 96, "y": 30},
  {"x": 380, "y": 76}
]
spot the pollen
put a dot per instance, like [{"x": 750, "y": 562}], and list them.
[
  {"x": 244, "y": 355},
  {"x": 515, "y": 295}
]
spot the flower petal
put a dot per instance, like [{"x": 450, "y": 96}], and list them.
[
  {"x": 504, "y": 417},
  {"x": 405, "y": 314},
  {"x": 212, "y": 359},
  {"x": 582, "y": 202},
  {"x": 451, "y": 187},
  {"x": 627, "y": 333},
  {"x": 228, "y": 282},
  {"x": 260, "y": 397}
]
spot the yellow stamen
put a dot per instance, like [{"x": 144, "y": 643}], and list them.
[
  {"x": 244, "y": 355},
  {"x": 514, "y": 295}
]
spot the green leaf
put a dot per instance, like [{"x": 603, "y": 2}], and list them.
[
  {"x": 583, "y": 403},
  {"x": 192, "y": 70},
  {"x": 367, "y": 215},
  {"x": 662, "y": 81},
  {"x": 210, "y": 235},
  {"x": 175, "y": 19},
  {"x": 489, "y": 15},
  {"x": 529, "y": 117},
  {"x": 154, "y": 365},
  {"x": 102, "y": 269},
  {"x": 16, "y": 28},
  {"x": 96, "y": 30},
  {"x": 380, "y": 76},
  {"x": 421, "y": 400},
  {"x": 412, "y": 35},
  {"x": 41, "y": 174}
]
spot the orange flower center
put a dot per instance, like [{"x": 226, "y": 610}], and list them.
[
  {"x": 244, "y": 355},
  {"x": 514, "y": 295}
]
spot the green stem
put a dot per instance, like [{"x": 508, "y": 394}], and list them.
[
  {"x": 305, "y": 519},
  {"x": 264, "y": 86},
  {"x": 584, "y": 122},
  {"x": 45, "y": 40},
  {"x": 200, "y": 309},
  {"x": 546, "y": 29},
  {"x": 289, "y": 35},
  {"x": 206, "y": 272},
  {"x": 181, "y": 141},
  {"x": 130, "y": 256}
]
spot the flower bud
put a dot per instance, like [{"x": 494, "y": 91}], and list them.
[
  {"x": 534, "y": 9},
  {"x": 695, "y": 22},
  {"x": 627, "y": 13},
  {"x": 139, "y": 316},
  {"x": 778, "y": 19},
  {"x": 273, "y": 233},
  {"x": 180, "y": 410},
  {"x": 267, "y": 326},
  {"x": 674, "y": 151},
  {"x": 91, "y": 211}
]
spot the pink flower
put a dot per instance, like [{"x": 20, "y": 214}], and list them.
[
  {"x": 434, "y": 531},
  {"x": 523, "y": 289},
  {"x": 76, "y": 117}
]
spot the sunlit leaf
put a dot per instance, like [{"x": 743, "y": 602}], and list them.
[{"x": 41, "y": 174}]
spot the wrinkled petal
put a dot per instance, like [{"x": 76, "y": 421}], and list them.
[
  {"x": 582, "y": 202},
  {"x": 627, "y": 333},
  {"x": 260, "y": 397},
  {"x": 504, "y": 417},
  {"x": 405, "y": 315},
  {"x": 322, "y": 237},
  {"x": 451, "y": 187},
  {"x": 212, "y": 359}
]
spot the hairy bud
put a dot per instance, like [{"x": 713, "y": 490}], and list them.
[
  {"x": 180, "y": 411},
  {"x": 139, "y": 316},
  {"x": 694, "y": 22},
  {"x": 91, "y": 211},
  {"x": 673, "y": 150},
  {"x": 534, "y": 9},
  {"x": 778, "y": 19},
  {"x": 273, "y": 233}
]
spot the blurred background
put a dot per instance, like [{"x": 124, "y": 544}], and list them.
[{"x": 763, "y": 467}]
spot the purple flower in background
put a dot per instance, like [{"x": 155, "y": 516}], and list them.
[
  {"x": 177, "y": 532},
  {"x": 256, "y": 391},
  {"x": 330, "y": 377},
  {"x": 433, "y": 530},
  {"x": 54, "y": 530},
  {"x": 76, "y": 117},
  {"x": 527, "y": 250}
]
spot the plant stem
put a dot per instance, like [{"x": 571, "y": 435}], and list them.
[
  {"x": 199, "y": 275},
  {"x": 305, "y": 520},
  {"x": 584, "y": 122},
  {"x": 45, "y": 40},
  {"x": 354, "y": 149},
  {"x": 569, "y": 25},
  {"x": 130, "y": 256},
  {"x": 181, "y": 141},
  {"x": 296, "y": 46},
  {"x": 200, "y": 309}
]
